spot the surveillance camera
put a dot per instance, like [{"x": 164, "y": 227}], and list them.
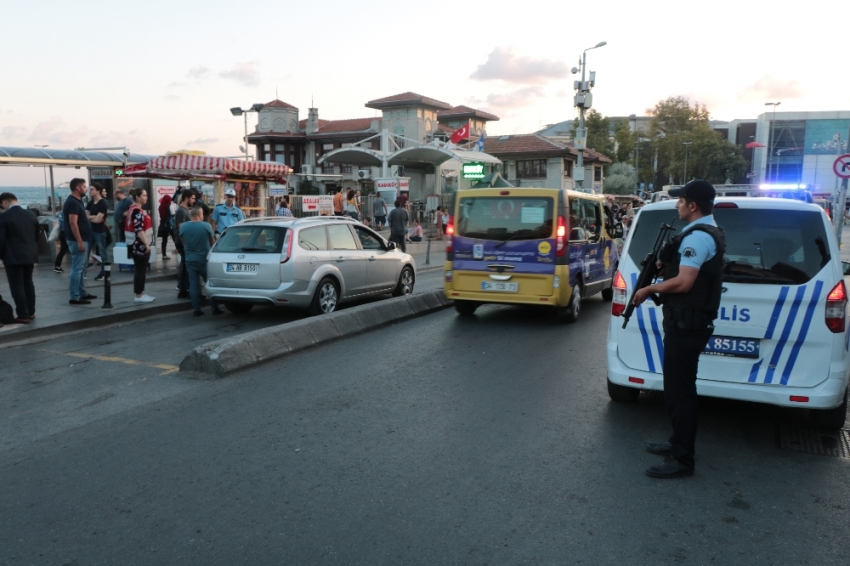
[
  {"x": 126, "y": 152},
  {"x": 574, "y": 70}
]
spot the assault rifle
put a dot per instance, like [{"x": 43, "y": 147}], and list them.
[{"x": 648, "y": 271}]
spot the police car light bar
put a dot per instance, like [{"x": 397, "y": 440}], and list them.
[{"x": 781, "y": 186}]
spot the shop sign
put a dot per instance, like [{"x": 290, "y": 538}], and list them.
[
  {"x": 277, "y": 191},
  {"x": 473, "y": 171},
  {"x": 403, "y": 183},
  {"x": 386, "y": 184},
  {"x": 323, "y": 204},
  {"x": 100, "y": 173}
]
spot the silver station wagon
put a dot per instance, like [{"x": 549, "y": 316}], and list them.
[{"x": 313, "y": 263}]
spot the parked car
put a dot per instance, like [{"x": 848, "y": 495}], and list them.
[{"x": 314, "y": 263}]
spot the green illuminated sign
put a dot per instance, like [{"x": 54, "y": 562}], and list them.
[
  {"x": 119, "y": 172},
  {"x": 473, "y": 171}
]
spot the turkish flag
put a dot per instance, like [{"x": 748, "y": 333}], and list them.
[
  {"x": 754, "y": 144},
  {"x": 460, "y": 134}
]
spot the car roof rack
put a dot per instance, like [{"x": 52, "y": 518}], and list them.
[{"x": 293, "y": 220}]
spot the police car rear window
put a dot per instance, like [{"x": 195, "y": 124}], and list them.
[
  {"x": 505, "y": 218},
  {"x": 251, "y": 239},
  {"x": 762, "y": 246}
]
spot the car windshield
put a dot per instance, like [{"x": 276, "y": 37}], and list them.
[
  {"x": 762, "y": 246},
  {"x": 505, "y": 218},
  {"x": 251, "y": 239}
]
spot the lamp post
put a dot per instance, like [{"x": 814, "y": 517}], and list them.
[
  {"x": 237, "y": 111},
  {"x": 583, "y": 100},
  {"x": 686, "y": 144},
  {"x": 772, "y": 143}
]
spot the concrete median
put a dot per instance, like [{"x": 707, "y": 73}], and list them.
[{"x": 235, "y": 353}]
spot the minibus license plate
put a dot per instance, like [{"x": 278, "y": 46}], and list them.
[
  {"x": 499, "y": 286},
  {"x": 242, "y": 267},
  {"x": 728, "y": 346}
]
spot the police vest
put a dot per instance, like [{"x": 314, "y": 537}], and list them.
[{"x": 697, "y": 308}]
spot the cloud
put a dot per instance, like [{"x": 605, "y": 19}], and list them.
[
  {"x": 176, "y": 85},
  {"x": 202, "y": 141},
  {"x": 769, "y": 87},
  {"x": 503, "y": 64},
  {"x": 198, "y": 72},
  {"x": 172, "y": 97},
  {"x": 131, "y": 140},
  {"x": 43, "y": 129},
  {"x": 245, "y": 73},
  {"x": 518, "y": 98},
  {"x": 68, "y": 138},
  {"x": 12, "y": 132}
]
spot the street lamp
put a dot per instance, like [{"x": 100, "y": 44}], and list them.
[
  {"x": 583, "y": 100},
  {"x": 772, "y": 143},
  {"x": 236, "y": 111},
  {"x": 686, "y": 144}
]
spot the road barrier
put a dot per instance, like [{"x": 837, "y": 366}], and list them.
[{"x": 235, "y": 353}]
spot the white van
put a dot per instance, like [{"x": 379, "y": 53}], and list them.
[{"x": 781, "y": 336}]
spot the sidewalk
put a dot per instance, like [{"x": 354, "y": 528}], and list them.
[{"x": 54, "y": 315}]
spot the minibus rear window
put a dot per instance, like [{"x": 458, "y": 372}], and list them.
[
  {"x": 505, "y": 218},
  {"x": 782, "y": 247}
]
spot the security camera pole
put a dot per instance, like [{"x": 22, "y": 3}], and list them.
[{"x": 583, "y": 100}]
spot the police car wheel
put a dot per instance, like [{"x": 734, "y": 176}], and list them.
[
  {"x": 622, "y": 394},
  {"x": 830, "y": 418},
  {"x": 569, "y": 314},
  {"x": 239, "y": 308},
  {"x": 466, "y": 308}
]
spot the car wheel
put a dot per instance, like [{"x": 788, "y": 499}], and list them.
[
  {"x": 622, "y": 394},
  {"x": 405, "y": 283},
  {"x": 466, "y": 308},
  {"x": 829, "y": 418},
  {"x": 239, "y": 308},
  {"x": 326, "y": 297},
  {"x": 569, "y": 314}
]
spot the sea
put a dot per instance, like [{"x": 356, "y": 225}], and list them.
[{"x": 34, "y": 195}]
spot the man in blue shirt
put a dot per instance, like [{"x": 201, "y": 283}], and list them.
[
  {"x": 197, "y": 238},
  {"x": 226, "y": 214}
]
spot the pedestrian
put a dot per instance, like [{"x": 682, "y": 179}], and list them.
[
  {"x": 164, "y": 223},
  {"x": 226, "y": 214},
  {"x": 352, "y": 208},
  {"x": 367, "y": 221},
  {"x": 138, "y": 233},
  {"x": 690, "y": 294},
  {"x": 379, "y": 207},
  {"x": 97, "y": 210},
  {"x": 119, "y": 215},
  {"x": 187, "y": 200},
  {"x": 397, "y": 220},
  {"x": 78, "y": 233},
  {"x": 63, "y": 245},
  {"x": 19, "y": 252},
  {"x": 438, "y": 222},
  {"x": 445, "y": 218},
  {"x": 197, "y": 239},
  {"x": 283, "y": 208},
  {"x": 339, "y": 203},
  {"x": 416, "y": 235}
]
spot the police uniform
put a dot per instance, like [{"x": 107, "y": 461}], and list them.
[
  {"x": 689, "y": 322},
  {"x": 225, "y": 217}
]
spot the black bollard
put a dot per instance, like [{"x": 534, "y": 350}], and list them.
[
  {"x": 428, "y": 253},
  {"x": 107, "y": 285}
]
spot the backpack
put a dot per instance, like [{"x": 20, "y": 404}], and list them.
[
  {"x": 7, "y": 315},
  {"x": 172, "y": 220}
]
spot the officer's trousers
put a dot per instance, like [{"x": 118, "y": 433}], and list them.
[{"x": 682, "y": 349}]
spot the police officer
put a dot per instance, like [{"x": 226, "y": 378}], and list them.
[
  {"x": 690, "y": 294},
  {"x": 226, "y": 214}
]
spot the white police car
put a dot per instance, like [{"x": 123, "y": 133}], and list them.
[{"x": 781, "y": 336}]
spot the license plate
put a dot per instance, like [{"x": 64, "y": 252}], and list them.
[
  {"x": 242, "y": 267},
  {"x": 499, "y": 287},
  {"x": 728, "y": 346}
]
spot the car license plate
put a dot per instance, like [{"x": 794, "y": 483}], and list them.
[
  {"x": 499, "y": 286},
  {"x": 242, "y": 267},
  {"x": 737, "y": 347}
]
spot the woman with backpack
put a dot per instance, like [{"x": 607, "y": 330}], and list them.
[
  {"x": 164, "y": 229},
  {"x": 138, "y": 233}
]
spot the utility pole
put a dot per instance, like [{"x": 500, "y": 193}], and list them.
[{"x": 582, "y": 100}]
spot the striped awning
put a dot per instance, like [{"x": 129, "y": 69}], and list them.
[{"x": 184, "y": 167}]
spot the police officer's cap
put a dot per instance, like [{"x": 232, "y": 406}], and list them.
[{"x": 697, "y": 190}]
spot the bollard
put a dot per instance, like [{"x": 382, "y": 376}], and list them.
[
  {"x": 428, "y": 253},
  {"x": 107, "y": 285}
]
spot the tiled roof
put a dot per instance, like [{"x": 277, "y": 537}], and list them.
[
  {"x": 278, "y": 104},
  {"x": 534, "y": 144},
  {"x": 353, "y": 125},
  {"x": 407, "y": 99},
  {"x": 445, "y": 128},
  {"x": 465, "y": 111},
  {"x": 302, "y": 124},
  {"x": 286, "y": 134}
]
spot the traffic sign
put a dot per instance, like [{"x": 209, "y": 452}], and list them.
[{"x": 842, "y": 166}]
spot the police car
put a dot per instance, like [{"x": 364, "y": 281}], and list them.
[{"x": 781, "y": 335}]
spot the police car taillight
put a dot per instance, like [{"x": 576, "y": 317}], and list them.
[
  {"x": 561, "y": 237},
  {"x": 836, "y": 307},
  {"x": 287, "y": 243},
  {"x": 618, "y": 305}
]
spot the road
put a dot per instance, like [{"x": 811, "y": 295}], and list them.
[{"x": 440, "y": 440}]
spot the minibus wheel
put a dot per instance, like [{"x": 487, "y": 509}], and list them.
[
  {"x": 466, "y": 308},
  {"x": 569, "y": 314}
]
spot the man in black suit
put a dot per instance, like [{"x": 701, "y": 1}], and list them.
[{"x": 19, "y": 252}]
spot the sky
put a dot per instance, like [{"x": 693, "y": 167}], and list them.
[{"x": 158, "y": 76}]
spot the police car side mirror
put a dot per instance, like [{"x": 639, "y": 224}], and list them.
[
  {"x": 618, "y": 231},
  {"x": 846, "y": 267}
]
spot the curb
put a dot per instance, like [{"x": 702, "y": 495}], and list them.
[{"x": 235, "y": 353}]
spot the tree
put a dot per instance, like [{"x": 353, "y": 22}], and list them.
[
  {"x": 620, "y": 179},
  {"x": 598, "y": 133},
  {"x": 307, "y": 187},
  {"x": 625, "y": 141}
]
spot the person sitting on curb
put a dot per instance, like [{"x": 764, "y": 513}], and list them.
[{"x": 416, "y": 235}]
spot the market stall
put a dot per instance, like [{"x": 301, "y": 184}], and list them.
[{"x": 250, "y": 179}]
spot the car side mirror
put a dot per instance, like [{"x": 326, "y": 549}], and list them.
[
  {"x": 845, "y": 266},
  {"x": 618, "y": 231},
  {"x": 391, "y": 246}
]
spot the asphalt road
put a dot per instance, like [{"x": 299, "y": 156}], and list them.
[{"x": 440, "y": 440}]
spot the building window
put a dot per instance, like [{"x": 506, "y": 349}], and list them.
[
  {"x": 568, "y": 168},
  {"x": 327, "y": 168},
  {"x": 327, "y": 146},
  {"x": 597, "y": 173},
  {"x": 345, "y": 169},
  {"x": 531, "y": 169}
]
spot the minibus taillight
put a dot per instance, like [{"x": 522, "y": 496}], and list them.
[
  {"x": 561, "y": 237},
  {"x": 450, "y": 232},
  {"x": 836, "y": 305},
  {"x": 287, "y": 243},
  {"x": 618, "y": 305}
]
